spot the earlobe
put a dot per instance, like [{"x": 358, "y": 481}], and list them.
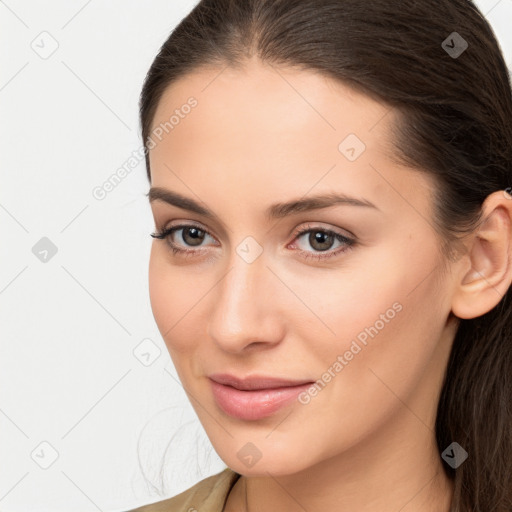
[{"x": 489, "y": 257}]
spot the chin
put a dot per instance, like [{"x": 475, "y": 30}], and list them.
[{"x": 261, "y": 458}]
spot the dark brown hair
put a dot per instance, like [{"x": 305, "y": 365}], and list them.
[{"x": 454, "y": 122}]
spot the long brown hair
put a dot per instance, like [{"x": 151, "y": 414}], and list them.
[{"x": 455, "y": 122}]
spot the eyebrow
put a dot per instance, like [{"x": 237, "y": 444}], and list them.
[{"x": 275, "y": 211}]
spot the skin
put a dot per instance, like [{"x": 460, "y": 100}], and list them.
[{"x": 262, "y": 135}]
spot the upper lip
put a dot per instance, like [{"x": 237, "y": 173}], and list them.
[{"x": 255, "y": 381}]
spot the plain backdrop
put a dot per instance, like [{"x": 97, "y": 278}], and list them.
[{"x": 92, "y": 415}]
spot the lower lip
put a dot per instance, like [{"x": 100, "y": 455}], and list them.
[{"x": 254, "y": 405}]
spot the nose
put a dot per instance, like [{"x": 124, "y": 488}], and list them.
[{"x": 246, "y": 309}]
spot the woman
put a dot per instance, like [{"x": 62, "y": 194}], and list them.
[{"x": 332, "y": 266}]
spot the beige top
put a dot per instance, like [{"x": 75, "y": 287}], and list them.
[{"x": 208, "y": 495}]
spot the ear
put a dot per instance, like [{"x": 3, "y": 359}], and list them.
[{"x": 485, "y": 271}]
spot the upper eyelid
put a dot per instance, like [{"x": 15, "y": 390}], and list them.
[
  {"x": 335, "y": 230},
  {"x": 184, "y": 225}
]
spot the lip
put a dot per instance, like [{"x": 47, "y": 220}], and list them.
[{"x": 255, "y": 397}]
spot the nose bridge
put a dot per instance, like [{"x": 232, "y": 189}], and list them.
[{"x": 241, "y": 302}]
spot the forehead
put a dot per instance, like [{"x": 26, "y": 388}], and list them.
[
  {"x": 265, "y": 109},
  {"x": 275, "y": 129},
  {"x": 277, "y": 98}
]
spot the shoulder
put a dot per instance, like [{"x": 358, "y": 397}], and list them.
[{"x": 208, "y": 495}]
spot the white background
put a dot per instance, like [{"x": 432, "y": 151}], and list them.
[{"x": 68, "y": 374}]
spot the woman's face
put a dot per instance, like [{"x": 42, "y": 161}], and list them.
[{"x": 366, "y": 320}]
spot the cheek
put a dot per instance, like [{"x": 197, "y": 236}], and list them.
[
  {"x": 347, "y": 304},
  {"x": 172, "y": 298},
  {"x": 386, "y": 316}
]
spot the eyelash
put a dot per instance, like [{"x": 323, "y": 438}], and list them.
[{"x": 349, "y": 242}]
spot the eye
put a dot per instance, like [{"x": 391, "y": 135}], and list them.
[
  {"x": 322, "y": 240},
  {"x": 191, "y": 236}
]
